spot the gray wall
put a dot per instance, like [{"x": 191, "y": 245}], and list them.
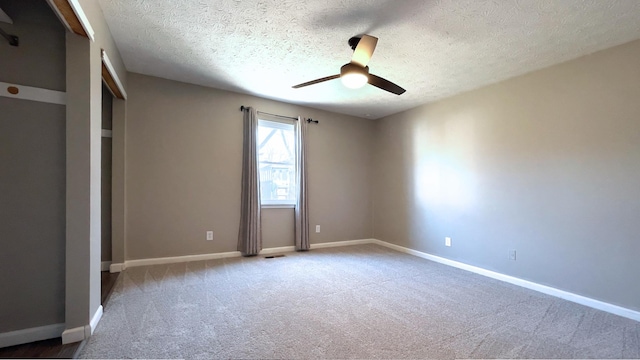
[
  {"x": 83, "y": 148},
  {"x": 183, "y": 158},
  {"x": 32, "y": 175},
  {"x": 547, "y": 164},
  {"x": 118, "y": 175},
  {"x": 39, "y": 60},
  {"x": 84, "y": 133},
  {"x": 105, "y": 215},
  {"x": 103, "y": 38}
]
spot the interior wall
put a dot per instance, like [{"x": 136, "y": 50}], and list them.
[
  {"x": 107, "y": 103},
  {"x": 547, "y": 164},
  {"x": 83, "y": 149},
  {"x": 184, "y": 149},
  {"x": 277, "y": 225},
  {"x": 32, "y": 172},
  {"x": 41, "y": 37},
  {"x": 104, "y": 41},
  {"x": 83, "y": 122},
  {"x": 118, "y": 175},
  {"x": 103, "y": 38}
]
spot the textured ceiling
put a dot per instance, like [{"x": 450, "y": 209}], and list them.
[{"x": 433, "y": 49}]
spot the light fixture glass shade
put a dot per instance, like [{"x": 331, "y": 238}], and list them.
[{"x": 354, "y": 80}]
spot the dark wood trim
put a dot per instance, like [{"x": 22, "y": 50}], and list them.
[
  {"x": 65, "y": 9},
  {"x": 110, "y": 82}
]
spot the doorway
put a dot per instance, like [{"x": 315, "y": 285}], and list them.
[{"x": 108, "y": 279}]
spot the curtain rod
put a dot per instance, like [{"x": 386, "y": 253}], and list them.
[{"x": 243, "y": 108}]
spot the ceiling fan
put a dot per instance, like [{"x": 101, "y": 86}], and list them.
[{"x": 356, "y": 74}]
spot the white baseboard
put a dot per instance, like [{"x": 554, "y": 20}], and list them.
[
  {"x": 96, "y": 319},
  {"x": 105, "y": 265},
  {"x": 342, "y": 243},
  {"x": 276, "y": 250},
  {"x": 116, "y": 268},
  {"x": 82, "y": 332},
  {"x": 75, "y": 334},
  {"x": 231, "y": 254},
  {"x": 284, "y": 249},
  {"x": 180, "y": 259},
  {"x": 579, "y": 299},
  {"x": 24, "y": 336}
]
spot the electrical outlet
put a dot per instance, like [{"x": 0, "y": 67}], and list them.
[
  {"x": 512, "y": 255},
  {"x": 447, "y": 241},
  {"x": 317, "y": 228},
  {"x": 209, "y": 235}
]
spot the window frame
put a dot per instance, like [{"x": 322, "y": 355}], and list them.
[{"x": 281, "y": 124}]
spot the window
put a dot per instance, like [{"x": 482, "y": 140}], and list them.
[{"x": 277, "y": 162}]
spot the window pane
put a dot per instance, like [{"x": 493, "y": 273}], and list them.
[{"x": 276, "y": 146}]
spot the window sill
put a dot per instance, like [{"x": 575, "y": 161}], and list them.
[{"x": 278, "y": 206}]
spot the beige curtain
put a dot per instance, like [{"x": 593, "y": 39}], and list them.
[
  {"x": 302, "y": 206},
  {"x": 249, "y": 235}
]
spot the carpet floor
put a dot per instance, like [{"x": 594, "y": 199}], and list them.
[{"x": 362, "y": 301}]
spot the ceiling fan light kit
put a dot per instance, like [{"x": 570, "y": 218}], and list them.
[{"x": 355, "y": 74}]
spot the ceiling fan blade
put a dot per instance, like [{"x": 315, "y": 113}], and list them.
[
  {"x": 385, "y": 84},
  {"x": 316, "y": 81},
  {"x": 364, "y": 50}
]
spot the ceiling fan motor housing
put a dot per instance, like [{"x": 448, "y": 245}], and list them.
[
  {"x": 353, "y": 42},
  {"x": 353, "y": 69}
]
